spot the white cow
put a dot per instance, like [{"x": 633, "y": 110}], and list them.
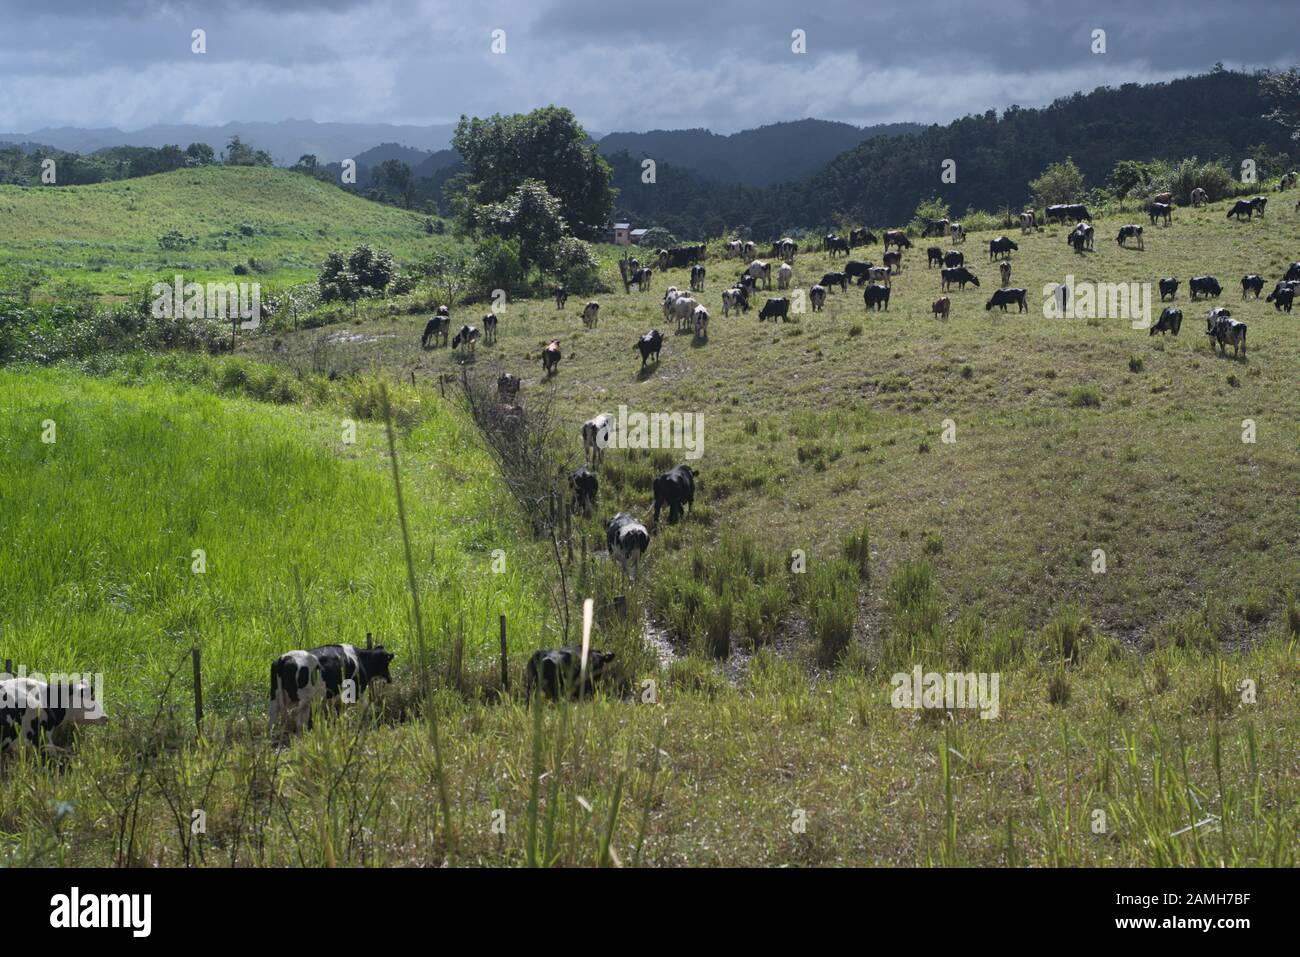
[
  {"x": 784, "y": 275},
  {"x": 683, "y": 307},
  {"x": 701, "y": 319},
  {"x": 760, "y": 270},
  {"x": 595, "y": 436}
]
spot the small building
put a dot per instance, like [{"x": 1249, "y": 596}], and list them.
[
  {"x": 622, "y": 234},
  {"x": 637, "y": 235}
]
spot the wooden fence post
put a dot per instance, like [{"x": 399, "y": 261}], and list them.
[
  {"x": 505, "y": 665},
  {"x": 369, "y": 643},
  {"x": 9, "y": 667},
  {"x": 198, "y": 690}
]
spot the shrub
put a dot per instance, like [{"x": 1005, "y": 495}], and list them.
[
  {"x": 1084, "y": 397},
  {"x": 856, "y": 547}
]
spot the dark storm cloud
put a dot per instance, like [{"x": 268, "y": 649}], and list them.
[{"x": 726, "y": 65}]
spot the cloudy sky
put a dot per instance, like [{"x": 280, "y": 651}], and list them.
[{"x": 620, "y": 66}]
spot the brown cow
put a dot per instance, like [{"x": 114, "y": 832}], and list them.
[{"x": 941, "y": 306}]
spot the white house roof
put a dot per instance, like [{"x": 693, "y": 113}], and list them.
[{"x": 622, "y": 225}]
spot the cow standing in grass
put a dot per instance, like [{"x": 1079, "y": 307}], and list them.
[{"x": 551, "y": 357}]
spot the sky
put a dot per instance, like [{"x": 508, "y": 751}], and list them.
[{"x": 668, "y": 64}]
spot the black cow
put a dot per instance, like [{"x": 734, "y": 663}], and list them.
[
  {"x": 1004, "y": 297},
  {"x": 341, "y": 664},
  {"x": 1292, "y": 273},
  {"x": 1240, "y": 207},
  {"x": 775, "y": 309},
  {"x": 585, "y": 486},
  {"x": 649, "y": 345},
  {"x": 1060, "y": 212},
  {"x": 876, "y": 296},
  {"x": 1171, "y": 320},
  {"x": 954, "y": 258},
  {"x": 896, "y": 237},
  {"x": 1282, "y": 296},
  {"x": 854, "y": 269},
  {"x": 936, "y": 227},
  {"x": 559, "y": 673},
  {"x": 861, "y": 237},
  {"x": 1206, "y": 286},
  {"x": 837, "y": 244},
  {"x": 436, "y": 328},
  {"x": 1001, "y": 245},
  {"x": 835, "y": 279},
  {"x": 958, "y": 274},
  {"x": 674, "y": 488},
  {"x": 933, "y": 255},
  {"x": 1168, "y": 287},
  {"x": 1252, "y": 283},
  {"x": 1159, "y": 211},
  {"x": 551, "y": 357}
]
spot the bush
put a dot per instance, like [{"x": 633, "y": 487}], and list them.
[
  {"x": 495, "y": 264},
  {"x": 1084, "y": 397}
]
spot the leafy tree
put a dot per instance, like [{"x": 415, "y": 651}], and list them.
[
  {"x": 656, "y": 237},
  {"x": 548, "y": 145},
  {"x": 448, "y": 271},
  {"x": 393, "y": 178},
  {"x": 1059, "y": 183},
  {"x": 576, "y": 265},
  {"x": 363, "y": 273},
  {"x": 496, "y": 265},
  {"x": 1282, "y": 91},
  {"x": 239, "y": 153},
  {"x": 533, "y": 218},
  {"x": 200, "y": 154}
]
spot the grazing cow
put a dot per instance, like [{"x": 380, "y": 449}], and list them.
[
  {"x": 835, "y": 279},
  {"x": 941, "y": 307},
  {"x": 954, "y": 258},
  {"x": 1242, "y": 207},
  {"x": 649, "y": 346},
  {"x": 1283, "y": 295},
  {"x": 507, "y": 387},
  {"x": 331, "y": 673},
  {"x": 856, "y": 269},
  {"x": 784, "y": 275},
  {"x": 735, "y": 249},
  {"x": 933, "y": 255},
  {"x": 1171, "y": 320},
  {"x": 33, "y": 712},
  {"x": 876, "y": 296},
  {"x": 817, "y": 296},
  {"x": 1060, "y": 212},
  {"x": 837, "y": 244},
  {"x": 936, "y": 227},
  {"x": 490, "y": 327},
  {"x": 1206, "y": 286},
  {"x": 775, "y": 309},
  {"x": 436, "y": 328},
  {"x": 558, "y": 673},
  {"x": 861, "y": 237},
  {"x": 878, "y": 274},
  {"x": 1162, "y": 211},
  {"x": 1081, "y": 237},
  {"x": 561, "y": 296},
  {"x": 641, "y": 278},
  {"x": 1199, "y": 197},
  {"x": 1168, "y": 287},
  {"x": 787, "y": 249},
  {"x": 627, "y": 540},
  {"x": 957, "y": 232},
  {"x": 595, "y": 437},
  {"x": 1226, "y": 331},
  {"x": 748, "y": 251},
  {"x": 346, "y": 670},
  {"x": 1258, "y": 204},
  {"x": 1002, "y": 246},
  {"x": 1292, "y": 273},
  {"x": 551, "y": 357},
  {"x": 1287, "y": 181},
  {"x": 1026, "y": 221},
  {"x": 893, "y": 260},
  {"x": 701, "y": 320},
  {"x": 760, "y": 270},
  {"x": 1128, "y": 232},
  {"x": 732, "y": 299},
  {"x": 591, "y": 314},
  {"x": 896, "y": 237},
  {"x": 1004, "y": 268},
  {"x": 585, "y": 486},
  {"x": 680, "y": 256},
  {"x": 468, "y": 337},
  {"x": 960, "y": 275},
  {"x": 697, "y": 278},
  {"x": 683, "y": 308},
  {"x": 674, "y": 488},
  {"x": 1004, "y": 297},
  {"x": 1252, "y": 283},
  {"x": 1163, "y": 199}
]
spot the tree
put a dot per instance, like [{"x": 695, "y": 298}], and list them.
[
  {"x": 448, "y": 272},
  {"x": 1059, "y": 183},
  {"x": 530, "y": 216},
  {"x": 656, "y": 237},
  {"x": 1282, "y": 90},
  {"x": 200, "y": 154},
  {"x": 239, "y": 153},
  {"x": 548, "y": 145},
  {"x": 363, "y": 273},
  {"x": 394, "y": 178}
]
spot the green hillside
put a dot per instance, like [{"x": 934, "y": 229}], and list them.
[{"x": 106, "y": 235}]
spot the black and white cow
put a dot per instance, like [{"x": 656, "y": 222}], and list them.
[
  {"x": 558, "y": 673},
  {"x": 561, "y": 296},
  {"x": 836, "y": 244},
  {"x": 33, "y": 713},
  {"x": 1005, "y": 297},
  {"x": 1252, "y": 283},
  {"x": 1168, "y": 287},
  {"x": 1206, "y": 286},
  {"x": 595, "y": 436},
  {"x": 467, "y": 337},
  {"x": 331, "y": 673},
  {"x": 436, "y": 328},
  {"x": 759, "y": 270},
  {"x": 490, "y": 327},
  {"x": 896, "y": 237},
  {"x": 627, "y": 540},
  {"x": 775, "y": 309},
  {"x": 649, "y": 346},
  {"x": 674, "y": 488},
  {"x": 875, "y": 296},
  {"x": 585, "y": 486},
  {"x": 817, "y": 297},
  {"x": 697, "y": 278},
  {"x": 1225, "y": 331},
  {"x": 1131, "y": 231},
  {"x": 1242, "y": 207},
  {"x": 591, "y": 314},
  {"x": 1002, "y": 246},
  {"x": 1160, "y": 211},
  {"x": 856, "y": 269},
  {"x": 507, "y": 386},
  {"x": 1292, "y": 273},
  {"x": 551, "y": 357},
  {"x": 958, "y": 274},
  {"x": 953, "y": 258},
  {"x": 1004, "y": 270},
  {"x": 861, "y": 237},
  {"x": 1171, "y": 320},
  {"x": 1283, "y": 295}
]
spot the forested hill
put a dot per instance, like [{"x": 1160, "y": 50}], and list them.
[{"x": 1219, "y": 115}]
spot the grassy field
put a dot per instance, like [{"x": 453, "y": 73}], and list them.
[{"x": 106, "y": 235}]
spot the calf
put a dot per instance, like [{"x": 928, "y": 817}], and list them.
[
  {"x": 1004, "y": 297},
  {"x": 585, "y": 485},
  {"x": 1002, "y": 246},
  {"x": 933, "y": 255},
  {"x": 1282, "y": 296},
  {"x": 817, "y": 297},
  {"x": 674, "y": 488},
  {"x": 1257, "y": 205},
  {"x": 1168, "y": 287},
  {"x": 775, "y": 309},
  {"x": 627, "y": 540},
  {"x": 1128, "y": 232},
  {"x": 595, "y": 436},
  {"x": 591, "y": 314},
  {"x": 940, "y": 307},
  {"x": 1004, "y": 268},
  {"x": 490, "y": 327},
  {"x": 331, "y": 673},
  {"x": 436, "y": 328},
  {"x": 559, "y": 673},
  {"x": 1252, "y": 283},
  {"x": 33, "y": 713},
  {"x": 551, "y": 357},
  {"x": 1171, "y": 320},
  {"x": 649, "y": 346},
  {"x": 1160, "y": 211},
  {"x": 700, "y": 319},
  {"x": 893, "y": 260},
  {"x": 1206, "y": 286},
  {"x": 876, "y": 296},
  {"x": 960, "y": 275},
  {"x": 467, "y": 337}
]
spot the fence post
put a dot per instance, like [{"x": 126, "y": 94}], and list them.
[
  {"x": 9, "y": 667},
  {"x": 505, "y": 665},
  {"x": 369, "y": 643},
  {"x": 198, "y": 690}
]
